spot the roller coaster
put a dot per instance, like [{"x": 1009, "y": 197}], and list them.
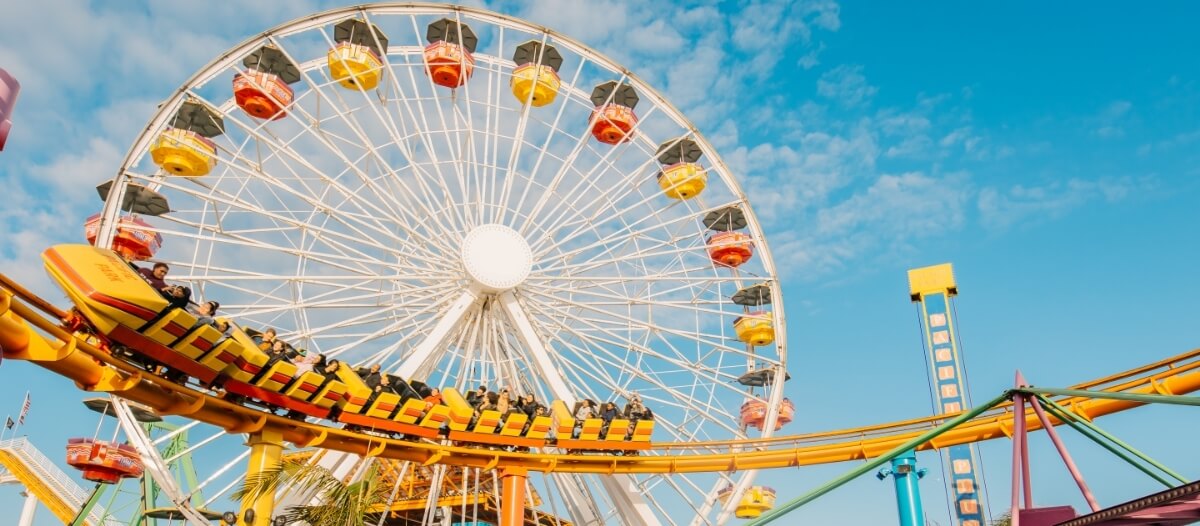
[{"x": 33, "y": 330}]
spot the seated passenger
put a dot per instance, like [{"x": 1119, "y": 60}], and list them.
[
  {"x": 584, "y": 411},
  {"x": 206, "y": 313},
  {"x": 156, "y": 276},
  {"x": 503, "y": 402},
  {"x": 307, "y": 362},
  {"x": 434, "y": 398},
  {"x": 178, "y": 296},
  {"x": 634, "y": 410},
  {"x": 330, "y": 370},
  {"x": 528, "y": 405},
  {"x": 478, "y": 396},
  {"x": 222, "y": 325},
  {"x": 385, "y": 385},
  {"x": 609, "y": 412},
  {"x": 485, "y": 405},
  {"x": 265, "y": 340},
  {"x": 277, "y": 353},
  {"x": 371, "y": 376}
]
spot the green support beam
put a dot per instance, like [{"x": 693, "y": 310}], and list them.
[
  {"x": 1100, "y": 436},
  {"x": 1128, "y": 397},
  {"x": 93, "y": 499}
]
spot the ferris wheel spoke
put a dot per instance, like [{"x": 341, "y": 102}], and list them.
[
  {"x": 213, "y": 236},
  {"x": 586, "y": 189},
  {"x": 699, "y": 339},
  {"x": 387, "y": 122},
  {"x": 424, "y": 352},
  {"x": 418, "y": 323},
  {"x": 642, "y": 256},
  {"x": 423, "y": 129},
  {"x": 446, "y": 128},
  {"x": 500, "y": 202},
  {"x": 614, "y": 340},
  {"x": 620, "y": 233},
  {"x": 329, "y": 300},
  {"x": 231, "y": 202},
  {"x": 386, "y": 314},
  {"x": 645, "y": 297},
  {"x": 469, "y": 155},
  {"x": 543, "y": 151},
  {"x": 342, "y": 110},
  {"x": 284, "y": 150},
  {"x": 551, "y": 189}
]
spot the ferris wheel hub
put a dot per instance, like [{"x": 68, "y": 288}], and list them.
[{"x": 496, "y": 257}]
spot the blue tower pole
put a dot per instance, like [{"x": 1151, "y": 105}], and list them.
[{"x": 908, "y": 494}]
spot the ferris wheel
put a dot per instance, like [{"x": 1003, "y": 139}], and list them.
[{"x": 467, "y": 199}]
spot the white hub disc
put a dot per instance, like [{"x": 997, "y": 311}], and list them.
[{"x": 496, "y": 257}]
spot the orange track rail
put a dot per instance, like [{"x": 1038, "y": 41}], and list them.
[{"x": 95, "y": 370}]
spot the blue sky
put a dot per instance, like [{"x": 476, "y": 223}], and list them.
[{"x": 1048, "y": 151}]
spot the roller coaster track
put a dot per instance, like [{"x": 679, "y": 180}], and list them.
[
  {"x": 91, "y": 368},
  {"x": 41, "y": 477}
]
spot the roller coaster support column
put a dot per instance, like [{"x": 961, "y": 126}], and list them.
[
  {"x": 266, "y": 447},
  {"x": 908, "y": 492},
  {"x": 28, "y": 509},
  {"x": 512, "y": 498}
]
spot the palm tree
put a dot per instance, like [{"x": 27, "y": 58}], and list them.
[
  {"x": 340, "y": 503},
  {"x": 1004, "y": 520}
]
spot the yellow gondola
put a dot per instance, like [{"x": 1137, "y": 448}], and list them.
[
  {"x": 184, "y": 153},
  {"x": 755, "y": 328},
  {"x": 683, "y": 180}
]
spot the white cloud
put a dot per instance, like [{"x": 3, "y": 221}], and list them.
[
  {"x": 846, "y": 85},
  {"x": 812, "y": 58},
  {"x": 1109, "y": 123},
  {"x": 1002, "y": 208}
]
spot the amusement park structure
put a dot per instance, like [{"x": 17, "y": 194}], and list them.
[
  {"x": 442, "y": 247},
  {"x": 933, "y": 289}
]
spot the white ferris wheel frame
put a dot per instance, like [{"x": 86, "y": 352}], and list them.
[{"x": 623, "y": 491}]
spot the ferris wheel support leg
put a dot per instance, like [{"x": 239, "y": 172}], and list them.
[
  {"x": 628, "y": 500},
  {"x": 266, "y": 448},
  {"x": 512, "y": 499},
  {"x": 427, "y": 349}
]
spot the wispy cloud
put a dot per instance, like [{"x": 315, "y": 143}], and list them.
[
  {"x": 1109, "y": 122},
  {"x": 846, "y": 85},
  {"x": 1002, "y": 208}
]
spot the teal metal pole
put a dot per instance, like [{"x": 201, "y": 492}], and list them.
[
  {"x": 1129, "y": 397},
  {"x": 1084, "y": 427},
  {"x": 876, "y": 462},
  {"x": 908, "y": 493}
]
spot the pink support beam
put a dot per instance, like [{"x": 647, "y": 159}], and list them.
[
  {"x": 1017, "y": 438},
  {"x": 9, "y": 88},
  {"x": 1027, "y": 477},
  {"x": 1062, "y": 451}
]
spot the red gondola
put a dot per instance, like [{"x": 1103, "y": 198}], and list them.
[
  {"x": 135, "y": 239},
  {"x": 103, "y": 462}
]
